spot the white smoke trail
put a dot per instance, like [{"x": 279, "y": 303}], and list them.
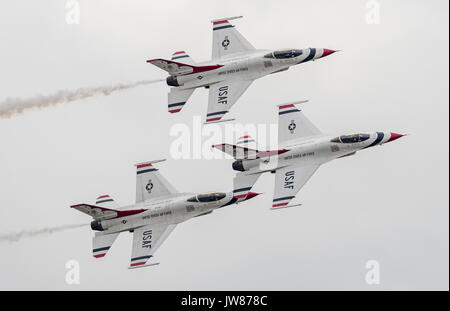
[
  {"x": 15, "y": 237},
  {"x": 12, "y": 106}
]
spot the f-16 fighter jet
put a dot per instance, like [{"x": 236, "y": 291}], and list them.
[
  {"x": 302, "y": 149},
  {"x": 157, "y": 211},
  {"x": 235, "y": 64}
]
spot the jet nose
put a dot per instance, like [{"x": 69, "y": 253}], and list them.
[
  {"x": 327, "y": 52},
  {"x": 395, "y": 136}
]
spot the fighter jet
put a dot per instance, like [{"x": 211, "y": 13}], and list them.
[
  {"x": 157, "y": 211},
  {"x": 235, "y": 64},
  {"x": 302, "y": 149}
]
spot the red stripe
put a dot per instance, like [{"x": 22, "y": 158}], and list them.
[
  {"x": 137, "y": 264},
  {"x": 213, "y": 119},
  {"x": 100, "y": 255},
  {"x": 175, "y": 110},
  {"x": 287, "y": 106},
  {"x": 103, "y": 196},
  {"x": 144, "y": 165},
  {"x": 220, "y": 22},
  {"x": 244, "y": 137},
  {"x": 240, "y": 196},
  {"x": 279, "y": 204},
  {"x": 180, "y": 52}
]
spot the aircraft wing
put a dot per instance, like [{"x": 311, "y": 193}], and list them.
[
  {"x": 177, "y": 98},
  {"x": 288, "y": 182},
  {"x": 150, "y": 183},
  {"x": 292, "y": 124},
  {"x": 227, "y": 40},
  {"x": 243, "y": 183},
  {"x": 146, "y": 240},
  {"x": 222, "y": 96}
]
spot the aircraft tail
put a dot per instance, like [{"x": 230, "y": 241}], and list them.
[
  {"x": 245, "y": 149},
  {"x": 176, "y": 68},
  {"x": 182, "y": 56}
]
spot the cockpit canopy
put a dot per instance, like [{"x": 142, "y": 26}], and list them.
[
  {"x": 283, "y": 54},
  {"x": 208, "y": 197},
  {"x": 350, "y": 139}
]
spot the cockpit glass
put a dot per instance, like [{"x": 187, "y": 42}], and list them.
[
  {"x": 350, "y": 139},
  {"x": 283, "y": 54},
  {"x": 208, "y": 197},
  {"x": 287, "y": 54}
]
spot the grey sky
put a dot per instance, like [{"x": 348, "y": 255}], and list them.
[{"x": 389, "y": 203}]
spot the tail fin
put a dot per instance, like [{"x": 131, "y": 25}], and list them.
[
  {"x": 183, "y": 57},
  {"x": 178, "y": 69},
  {"x": 107, "y": 202}
]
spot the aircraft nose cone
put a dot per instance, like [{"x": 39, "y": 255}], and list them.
[
  {"x": 395, "y": 136},
  {"x": 327, "y": 52}
]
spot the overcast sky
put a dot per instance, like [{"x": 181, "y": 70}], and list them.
[{"x": 388, "y": 203}]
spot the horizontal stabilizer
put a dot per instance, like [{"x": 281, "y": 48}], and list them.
[
  {"x": 98, "y": 212},
  {"x": 179, "y": 69},
  {"x": 237, "y": 152}
]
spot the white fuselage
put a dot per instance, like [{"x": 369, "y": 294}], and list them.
[
  {"x": 173, "y": 209},
  {"x": 311, "y": 151},
  {"x": 245, "y": 66}
]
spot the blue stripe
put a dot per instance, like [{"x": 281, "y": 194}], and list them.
[
  {"x": 283, "y": 198},
  {"x": 232, "y": 201},
  {"x": 101, "y": 249},
  {"x": 310, "y": 56},
  {"x": 177, "y": 104},
  {"x": 107, "y": 200},
  {"x": 215, "y": 113},
  {"x": 380, "y": 136},
  {"x": 142, "y": 257},
  {"x": 146, "y": 171},
  {"x": 223, "y": 27},
  {"x": 245, "y": 141},
  {"x": 242, "y": 189},
  {"x": 288, "y": 111},
  {"x": 179, "y": 57}
]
